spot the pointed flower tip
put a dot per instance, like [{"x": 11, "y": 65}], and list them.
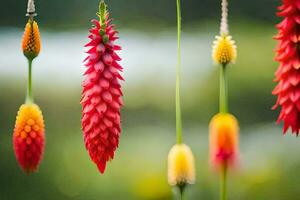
[
  {"x": 29, "y": 137},
  {"x": 224, "y": 139},
  {"x": 181, "y": 166},
  {"x": 224, "y": 50},
  {"x": 102, "y": 13},
  {"x": 31, "y": 43}
]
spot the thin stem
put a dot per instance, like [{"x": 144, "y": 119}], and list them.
[
  {"x": 29, "y": 98},
  {"x": 178, "y": 108},
  {"x": 223, "y": 90},
  {"x": 181, "y": 192},
  {"x": 223, "y": 195}
]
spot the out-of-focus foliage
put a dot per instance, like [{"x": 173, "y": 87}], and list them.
[{"x": 57, "y": 13}]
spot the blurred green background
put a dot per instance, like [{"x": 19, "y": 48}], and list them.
[{"x": 269, "y": 162}]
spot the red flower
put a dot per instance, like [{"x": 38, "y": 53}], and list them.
[
  {"x": 288, "y": 73},
  {"x": 102, "y": 95}
]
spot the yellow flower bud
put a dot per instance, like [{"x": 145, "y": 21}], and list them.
[
  {"x": 224, "y": 50},
  {"x": 181, "y": 166}
]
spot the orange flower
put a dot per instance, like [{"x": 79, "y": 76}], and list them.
[
  {"x": 31, "y": 43},
  {"x": 29, "y": 137},
  {"x": 224, "y": 137}
]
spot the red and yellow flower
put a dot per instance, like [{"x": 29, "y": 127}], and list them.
[
  {"x": 102, "y": 95},
  {"x": 29, "y": 137},
  {"x": 224, "y": 138}
]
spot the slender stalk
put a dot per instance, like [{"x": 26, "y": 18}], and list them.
[
  {"x": 223, "y": 187},
  {"x": 29, "y": 98},
  {"x": 223, "y": 90},
  {"x": 178, "y": 108}
]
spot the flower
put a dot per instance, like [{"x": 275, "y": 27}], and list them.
[
  {"x": 287, "y": 74},
  {"x": 29, "y": 137},
  {"x": 31, "y": 43},
  {"x": 181, "y": 166},
  {"x": 224, "y": 50},
  {"x": 224, "y": 137},
  {"x": 102, "y": 96}
]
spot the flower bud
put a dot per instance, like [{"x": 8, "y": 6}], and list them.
[
  {"x": 31, "y": 43},
  {"x": 181, "y": 166}
]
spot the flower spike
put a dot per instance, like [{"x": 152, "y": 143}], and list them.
[
  {"x": 102, "y": 95},
  {"x": 287, "y": 75},
  {"x": 29, "y": 137}
]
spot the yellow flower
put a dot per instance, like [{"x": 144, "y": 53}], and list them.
[
  {"x": 181, "y": 165},
  {"x": 31, "y": 43},
  {"x": 224, "y": 50},
  {"x": 224, "y": 139}
]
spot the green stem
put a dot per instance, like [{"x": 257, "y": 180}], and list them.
[
  {"x": 181, "y": 192},
  {"x": 29, "y": 98},
  {"x": 178, "y": 108},
  {"x": 223, "y": 90},
  {"x": 223, "y": 195}
]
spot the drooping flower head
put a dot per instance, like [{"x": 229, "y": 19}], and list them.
[
  {"x": 287, "y": 75},
  {"x": 181, "y": 166},
  {"x": 224, "y": 48},
  {"x": 29, "y": 137},
  {"x": 102, "y": 96},
  {"x": 224, "y": 137},
  {"x": 29, "y": 131}
]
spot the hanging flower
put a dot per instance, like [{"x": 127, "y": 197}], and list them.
[
  {"x": 31, "y": 43},
  {"x": 224, "y": 137},
  {"x": 29, "y": 137},
  {"x": 102, "y": 95},
  {"x": 181, "y": 166},
  {"x": 287, "y": 75}
]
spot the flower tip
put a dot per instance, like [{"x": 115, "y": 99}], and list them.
[
  {"x": 224, "y": 50},
  {"x": 181, "y": 166},
  {"x": 101, "y": 167}
]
